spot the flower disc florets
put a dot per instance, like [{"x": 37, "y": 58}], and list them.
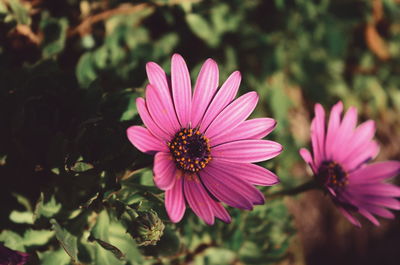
[
  {"x": 190, "y": 149},
  {"x": 332, "y": 175}
]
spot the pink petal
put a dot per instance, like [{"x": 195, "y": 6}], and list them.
[
  {"x": 360, "y": 138},
  {"x": 143, "y": 140},
  {"x": 344, "y": 134},
  {"x": 229, "y": 188},
  {"x": 159, "y": 111},
  {"x": 198, "y": 200},
  {"x": 306, "y": 155},
  {"x": 181, "y": 89},
  {"x": 369, "y": 152},
  {"x": 251, "y": 173},
  {"x": 247, "y": 151},
  {"x": 318, "y": 134},
  {"x": 175, "y": 201},
  {"x": 382, "y": 212},
  {"x": 333, "y": 126},
  {"x": 375, "y": 172},
  {"x": 378, "y": 189},
  {"x": 250, "y": 129},
  {"x": 349, "y": 217},
  {"x": 158, "y": 80},
  {"x": 381, "y": 201},
  {"x": 224, "y": 96},
  {"x": 219, "y": 211},
  {"x": 369, "y": 216},
  {"x": 149, "y": 122},
  {"x": 204, "y": 90},
  {"x": 165, "y": 171},
  {"x": 233, "y": 115}
]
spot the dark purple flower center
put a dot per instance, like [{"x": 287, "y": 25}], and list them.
[
  {"x": 332, "y": 174},
  {"x": 190, "y": 149}
]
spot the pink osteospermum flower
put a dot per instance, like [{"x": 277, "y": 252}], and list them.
[
  {"x": 339, "y": 162},
  {"x": 204, "y": 147}
]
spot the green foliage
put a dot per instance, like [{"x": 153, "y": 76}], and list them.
[
  {"x": 71, "y": 72},
  {"x": 67, "y": 241}
]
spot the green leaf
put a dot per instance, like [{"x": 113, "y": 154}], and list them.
[
  {"x": 85, "y": 71},
  {"x": 21, "y": 217},
  {"x": 20, "y": 12},
  {"x": 37, "y": 237},
  {"x": 202, "y": 29},
  {"x": 52, "y": 257},
  {"x": 101, "y": 231},
  {"x": 47, "y": 209},
  {"x": 107, "y": 246},
  {"x": 12, "y": 240},
  {"x": 55, "y": 32},
  {"x": 67, "y": 241},
  {"x": 81, "y": 166}
]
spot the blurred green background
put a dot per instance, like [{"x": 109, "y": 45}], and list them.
[{"x": 70, "y": 72}]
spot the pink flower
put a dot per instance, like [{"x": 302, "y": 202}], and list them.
[
  {"x": 339, "y": 163},
  {"x": 12, "y": 257},
  {"x": 204, "y": 147}
]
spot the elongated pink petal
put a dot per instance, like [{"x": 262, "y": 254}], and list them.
[
  {"x": 369, "y": 152},
  {"x": 175, "y": 201},
  {"x": 149, "y": 122},
  {"x": 165, "y": 171},
  {"x": 229, "y": 187},
  {"x": 381, "y": 201},
  {"x": 223, "y": 97},
  {"x": 306, "y": 155},
  {"x": 234, "y": 114},
  {"x": 375, "y": 172},
  {"x": 382, "y": 212},
  {"x": 349, "y": 217},
  {"x": 197, "y": 198},
  {"x": 219, "y": 211},
  {"x": 204, "y": 90},
  {"x": 333, "y": 126},
  {"x": 143, "y": 140},
  {"x": 360, "y": 138},
  {"x": 251, "y": 173},
  {"x": 158, "y": 80},
  {"x": 159, "y": 112},
  {"x": 318, "y": 134},
  {"x": 344, "y": 134},
  {"x": 247, "y": 151},
  {"x": 369, "y": 216},
  {"x": 250, "y": 129},
  {"x": 378, "y": 189},
  {"x": 181, "y": 89}
]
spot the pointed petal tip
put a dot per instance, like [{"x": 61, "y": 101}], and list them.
[
  {"x": 177, "y": 56},
  {"x": 211, "y": 61}
]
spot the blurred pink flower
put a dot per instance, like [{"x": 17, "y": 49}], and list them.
[
  {"x": 339, "y": 163},
  {"x": 204, "y": 147},
  {"x": 12, "y": 257}
]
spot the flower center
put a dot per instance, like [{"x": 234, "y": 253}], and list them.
[
  {"x": 332, "y": 174},
  {"x": 190, "y": 149}
]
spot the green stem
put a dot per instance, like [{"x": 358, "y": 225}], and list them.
[{"x": 309, "y": 185}]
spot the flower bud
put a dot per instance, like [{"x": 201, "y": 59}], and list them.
[{"x": 147, "y": 228}]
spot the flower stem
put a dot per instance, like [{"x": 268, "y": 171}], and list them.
[{"x": 309, "y": 185}]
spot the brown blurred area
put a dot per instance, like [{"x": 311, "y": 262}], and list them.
[{"x": 327, "y": 238}]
